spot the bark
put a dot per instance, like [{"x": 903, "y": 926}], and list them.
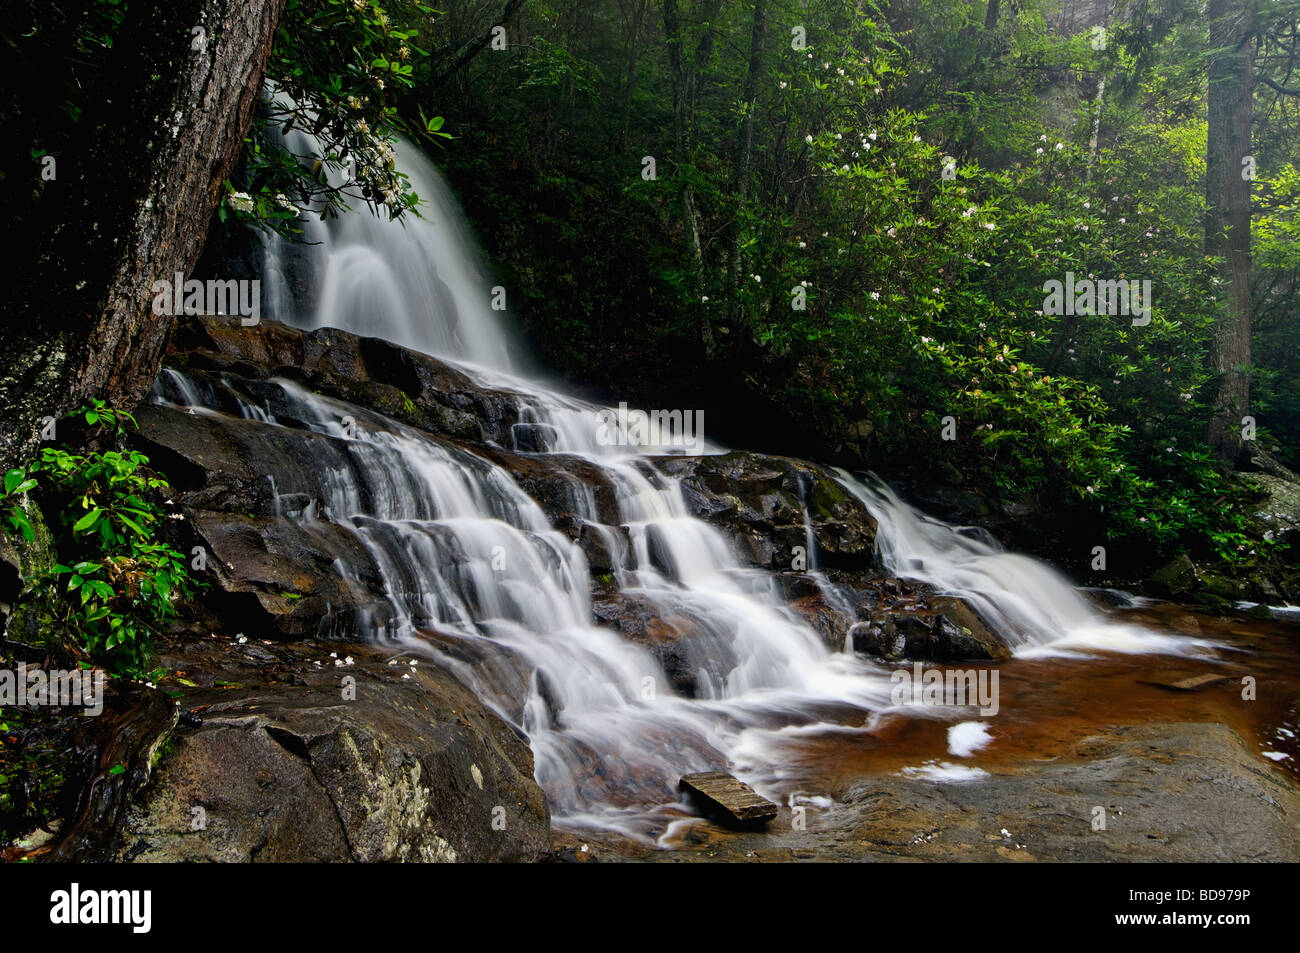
[
  {"x": 638, "y": 14},
  {"x": 474, "y": 47},
  {"x": 131, "y": 204},
  {"x": 1096, "y": 126},
  {"x": 741, "y": 170},
  {"x": 682, "y": 144},
  {"x": 1227, "y": 222},
  {"x": 991, "y": 15}
]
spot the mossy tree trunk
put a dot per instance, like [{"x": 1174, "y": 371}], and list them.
[
  {"x": 1232, "y": 31},
  {"x": 130, "y": 203}
]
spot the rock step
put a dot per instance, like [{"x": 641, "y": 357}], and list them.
[{"x": 718, "y": 793}]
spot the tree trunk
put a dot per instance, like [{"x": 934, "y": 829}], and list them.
[
  {"x": 1096, "y": 126},
  {"x": 638, "y": 14},
  {"x": 1227, "y": 221},
  {"x": 740, "y": 176},
  {"x": 682, "y": 144},
  {"x": 130, "y": 204}
]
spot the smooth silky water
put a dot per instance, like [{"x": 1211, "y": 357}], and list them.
[{"x": 478, "y": 580}]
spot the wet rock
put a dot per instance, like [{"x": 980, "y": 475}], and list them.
[
  {"x": 1191, "y": 792},
  {"x": 831, "y": 618},
  {"x": 605, "y": 549},
  {"x": 762, "y": 501},
  {"x": 666, "y": 633},
  {"x": 414, "y": 388},
  {"x": 1277, "y": 511},
  {"x": 561, "y": 484},
  {"x": 110, "y": 758},
  {"x": 943, "y": 629},
  {"x": 289, "y": 766},
  {"x": 1177, "y": 577},
  {"x": 282, "y": 577},
  {"x": 534, "y": 438},
  {"x": 1108, "y": 598}
]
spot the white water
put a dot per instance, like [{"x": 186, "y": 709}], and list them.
[
  {"x": 1031, "y": 605},
  {"x": 477, "y": 578},
  {"x": 418, "y": 283}
]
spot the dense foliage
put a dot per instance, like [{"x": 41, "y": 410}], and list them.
[
  {"x": 853, "y": 214},
  {"x": 117, "y": 580},
  {"x": 336, "y": 70},
  {"x": 828, "y": 222}
]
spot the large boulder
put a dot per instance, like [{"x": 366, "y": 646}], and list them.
[
  {"x": 325, "y": 752},
  {"x": 1177, "y": 577}
]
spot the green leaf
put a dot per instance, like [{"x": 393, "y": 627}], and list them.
[
  {"x": 87, "y": 521},
  {"x": 131, "y": 523},
  {"x": 117, "y": 769},
  {"x": 21, "y": 523}
]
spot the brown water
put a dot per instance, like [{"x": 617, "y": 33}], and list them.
[{"x": 1047, "y": 706}]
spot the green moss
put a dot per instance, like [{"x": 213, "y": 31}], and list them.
[
  {"x": 162, "y": 750},
  {"x": 825, "y": 497}
]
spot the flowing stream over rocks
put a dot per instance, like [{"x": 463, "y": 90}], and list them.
[{"x": 635, "y": 611}]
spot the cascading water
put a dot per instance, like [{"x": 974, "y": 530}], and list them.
[
  {"x": 418, "y": 283},
  {"x": 475, "y": 576},
  {"x": 1032, "y": 606}
]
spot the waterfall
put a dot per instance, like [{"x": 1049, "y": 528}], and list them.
[
  {"x": 419, "y": 282},
  {"x": 476, "y": 578},
  {"x": 1031, "y": 605}
]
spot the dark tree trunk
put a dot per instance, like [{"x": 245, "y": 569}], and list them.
[
  {"x": 130, "y": 204},
  {"x": 634, "y": 35},
  {"x": 1227, "y": 221},
  {"x": 683, "y": 145},
  {"x": 740, "y": 176}
]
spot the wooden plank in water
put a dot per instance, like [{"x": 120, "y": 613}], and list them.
[
  {"x": 1193, "y": 683},
  {"x": 717, "y": 792}
]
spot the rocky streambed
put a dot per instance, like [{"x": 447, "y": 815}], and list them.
[{"x": 290, "y": 729}]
